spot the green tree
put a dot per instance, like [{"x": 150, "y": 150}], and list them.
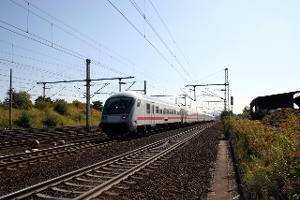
[
  {"x": 20, "y": 100},
  {"x": 97, "y": 105},
  {"x": 43, "y": 102}
]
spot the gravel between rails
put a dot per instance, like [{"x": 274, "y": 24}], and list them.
[
  {"x": 185, "y": 175},
  {"x": 18, "y": 178}
]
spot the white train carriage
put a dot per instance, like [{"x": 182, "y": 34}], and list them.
[{"x": 132, "y": 112}]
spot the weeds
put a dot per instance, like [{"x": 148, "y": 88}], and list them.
[{"x": 269, "y": 154}]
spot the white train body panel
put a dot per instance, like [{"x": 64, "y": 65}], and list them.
[{"x": 130, "y": 111}]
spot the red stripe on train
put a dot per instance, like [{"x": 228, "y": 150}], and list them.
[{"x": 161, "y": 118}]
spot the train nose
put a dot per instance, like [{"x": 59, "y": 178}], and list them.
[{"x": 124, "y": 117}]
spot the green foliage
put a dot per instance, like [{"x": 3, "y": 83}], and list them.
[
  {"x": 78, "y": 104},
  {"x": 3, "y": 117},
  {"x": 51, "y": 121},
  {"x": 246, "y": 113},
  {"x": 25, "y": 120},
  {"x": 61, "y": 106},
  {"x": 97, "y": 105},
  {"x": 269, "y": 156},
  {"x": 39, "y": 117},
  {"x": 20, "y": 100},
  {"x": 43, "y": 103}
]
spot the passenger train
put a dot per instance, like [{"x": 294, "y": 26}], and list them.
[{"x": 129, "y": 112}]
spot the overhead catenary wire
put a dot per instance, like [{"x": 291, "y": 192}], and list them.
[
  {"x": 46, "y": 42},
  {"x": 83, "y": 37},
  {"x": 50, "y": 42},
  {"x": 169, "y": 32},
  {"x": 159, "y": 37},
  {"x": 145, "y": 38},
  {"x": 30, "y": 67}
]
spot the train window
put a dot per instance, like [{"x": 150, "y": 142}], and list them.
[
  {"x": 118, "y": 105},
  {"x": 157, "y": 109},
  {"x": 148, "y": 107},
  {"x": 152, "y": 108},
  {"x": 160, "y": 111},
  {"x": 165, "y": 111},
  {"x": 138, "y": 103}
]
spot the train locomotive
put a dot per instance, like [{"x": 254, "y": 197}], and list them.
[{"x": 130, "y": 112}]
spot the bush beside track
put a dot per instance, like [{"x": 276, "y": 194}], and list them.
[
  {"x": 54, "y": 114},
  {"x": 267, "y": 153}
]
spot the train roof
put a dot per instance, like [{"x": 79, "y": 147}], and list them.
[{"x": 142, "y": 96}]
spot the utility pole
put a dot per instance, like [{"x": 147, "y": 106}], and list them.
[
  {"x": 10, "y": 99},
  {"x": 88, "y": 95},
  {"x": 88, "y": 81},
  {"x": 227, "y": 90},
  {"x": 231, "y": 102},
  {"x": 145, "y": 87},
  {"x": 144, "y": 90},
  {"x": 44, "y": 90}
]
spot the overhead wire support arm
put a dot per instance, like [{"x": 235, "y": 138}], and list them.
[{"x": 80, "y": 80}]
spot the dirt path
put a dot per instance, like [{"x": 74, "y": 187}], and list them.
[{"x": 224, "y": 185}]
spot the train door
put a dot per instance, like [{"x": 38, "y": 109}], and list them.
[
  {"x": 181, "y": 116},
  {"x": 152, "y": 114}
]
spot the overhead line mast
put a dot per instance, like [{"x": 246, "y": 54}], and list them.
[
  {"x": 226, "y": 90},
  {"x": 88, "y": 81}
]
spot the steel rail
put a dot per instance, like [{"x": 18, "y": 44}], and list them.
[
  {"x": 110, "y": 183},
  {"x": 26, "y": 192},
  {"x": 48, "y": 153}
]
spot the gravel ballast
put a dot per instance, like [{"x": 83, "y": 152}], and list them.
[
  {"x": 21, "y": 177},
  {"x": 185, "y": 175}
]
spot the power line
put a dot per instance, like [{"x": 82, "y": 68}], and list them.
[
  {"x": 159, "y": 37},
  {"x": 38, "y": 53},
  {"x": 84, "y": 38},
  {"x": 169, "y": 32},
  {"x": 145, "y": 38},
  {"x": 11, "y": 63},
  {"x": 34, "y": 59},
  {"x": 42, "y": 40}
]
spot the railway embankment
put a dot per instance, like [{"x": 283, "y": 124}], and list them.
[{"x": 267, "y": 154}]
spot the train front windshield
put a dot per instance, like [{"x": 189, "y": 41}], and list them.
[{"x": 118, "y": 105}]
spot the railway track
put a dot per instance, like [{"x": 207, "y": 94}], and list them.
[
  {"x": 22, "y": 138},
  {"x": 19, "y": 159},
  {"x": 92, "y": 181}
]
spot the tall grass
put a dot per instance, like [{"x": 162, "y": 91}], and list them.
[
  {"x": 269, "y": 154},
  {"x": 74, "y": 117}
]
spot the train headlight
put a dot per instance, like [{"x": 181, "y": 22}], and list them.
[{"x": 124, "y": 117}]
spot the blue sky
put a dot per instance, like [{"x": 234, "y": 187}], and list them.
[{"x": 257, "y": 40}]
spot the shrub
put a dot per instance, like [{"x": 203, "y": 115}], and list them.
[
  {"x": 43, "y": 102},
  {"x": 51, "y": 121},
  {"x": 78, "y": 104},
  {"x": 25, "y": 120},
  {"x": 61, "y": 106},
  {"x": 269, "y": 156}
]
